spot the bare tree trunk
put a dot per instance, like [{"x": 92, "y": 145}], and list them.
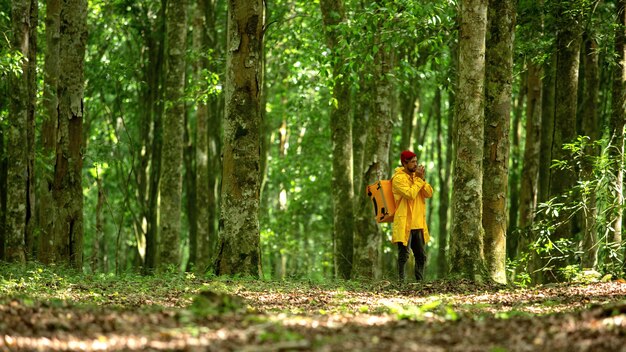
[
  {"x": 532, "y": 150},
  {"x": 444, "y": 158},
  {"x": 170, "y": 188},
  {"x": 333, "y": 14},
  {"x": 368, "y": 239},
  {"x": 515, "y": 156},
  {"x": 191, "y": 190},
  {"x": 3, "y": 193},
  {"x": 239, "y": 240},
  {"x": 466, "y": 242},
  {"x": 155, "y": 108},
  {"x": 96, "y": 255},
  {"x": 617, "y": 133},
  {"x": 18, "y": 172},
  {"x": 498, "y": 80},
  {"x": 566, "y": 92},
  {"x": 216, "y": 116},
  {"x": 67, "y": 189},
  {"x": 30, "y": 129},
  {"x": 198, "y": 253},
  {"x": 591, "y": 128},
  {"x": 45, "y": 206}
]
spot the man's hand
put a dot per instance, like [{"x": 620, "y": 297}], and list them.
[{"x": 420, "y": 172}]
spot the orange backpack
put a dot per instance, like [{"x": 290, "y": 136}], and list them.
[{"x": 381, "y": 194}]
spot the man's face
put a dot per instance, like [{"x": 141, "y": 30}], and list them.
[{"x": 411, "y": 165}]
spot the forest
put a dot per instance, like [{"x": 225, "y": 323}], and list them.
[{"x": 199, "y": 168}]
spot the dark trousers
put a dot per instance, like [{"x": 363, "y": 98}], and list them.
[{"x": 416, "y": 242}]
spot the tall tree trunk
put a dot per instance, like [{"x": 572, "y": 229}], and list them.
[
  {"x": 239, "y": 240},
  {"x": 170, "y": 188},
  {"x": 566, "y": 93},
  {"x": 97, "y": 255},
  {"x": 3, "y": 191},
  {"x": 547, "y": 127},
  {"x": 617, "y": 132},
  {"x": 200, "y": 45},
  {"x": 45, "y": 205},
  {"x": 333, "y": 14},
  {"x": 30, "y": 129},
  {"x": 466, "y": 242},
  {"x": 530, "y": 167},
  {"x": 515, "y": 156},
  {"x": 67, "y": 189},
  {"x": 19, "y": 172},
  {"x": 216, "y": 116},
  {"x": 154, "y": 110},
  {"x": 498, "y": 81},
  {"x": 444, "y": 158},
  {"x": 548, "y": 89},
  {"x": 591, "y": 128},
  {"x": 368, "y": 239},
  {"x": 191, "y": 190}
]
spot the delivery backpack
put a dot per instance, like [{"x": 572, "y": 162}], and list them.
[{"x": 381, "y": 195}]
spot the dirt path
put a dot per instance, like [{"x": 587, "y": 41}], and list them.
[{"x": 272, "y": 317}]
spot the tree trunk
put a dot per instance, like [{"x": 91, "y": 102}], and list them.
[
  {"x": 154, "y": 113},
  {"x": 96, "y": 255},
  {"x": 3, "y": 192},
  {"x": 566, "y": 92},
  {"x": 67, "y": 188},
  {"x": 444, "y": 182},
  {"x": 616, "y": 151},
  {"x": 498, "y": 80},
  {"x": 170, "y": 188},
  {"x": 191, "y": 191},
  {"x": 30, "y": 129},
  {"x": 19, "y": 172},
  {"x": 591, "y": 128},
  {"x": 45, "y": 206},
  {"x": 466, "y": 242},
  {"x": 216, "y": 116},
  {"x": 238, "y": 248},
  {"x": 198, "y": 250},
  {"x": 532, "y": 150},
  {"x": 547, "y": 127},
  {"x": 368, "y": 238},
  {"x": 333, "y": 14},
  {"x": 515, "y": 156}
]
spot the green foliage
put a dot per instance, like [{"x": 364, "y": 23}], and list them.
[
  {"x": 429, "y": 310},
  {"x": 576, "y": 202}
]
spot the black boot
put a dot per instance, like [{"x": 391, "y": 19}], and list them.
[{"x": 401, "y": 272}]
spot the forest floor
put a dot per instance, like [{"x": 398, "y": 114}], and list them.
[{"x": 45, "y": 310}]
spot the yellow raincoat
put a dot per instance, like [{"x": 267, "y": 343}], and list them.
[{"x": 409, "y": 192}]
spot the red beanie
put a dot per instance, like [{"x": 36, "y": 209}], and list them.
[{"x": 406, "y": 156}]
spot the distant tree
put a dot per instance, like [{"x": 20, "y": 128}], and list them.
[
  {"x": 152, "y": 138},
  {"x": 591, "y": 129},
  {"x": 333, "y": 14},
  {"x": 466, "y": 240},
  {"x": 532, "y": 147},
  {"x": 238, "y": 249},
  {"x": 197, "y": 255},
  {"x": 562, "y": 181},
  {"x": 171, "y": 167},
  {"x": 445, "y": 169},
  {"x": 617, "y": 122}
]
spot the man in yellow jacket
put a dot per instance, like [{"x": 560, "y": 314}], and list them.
[{"x": 410, "y": 190}]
